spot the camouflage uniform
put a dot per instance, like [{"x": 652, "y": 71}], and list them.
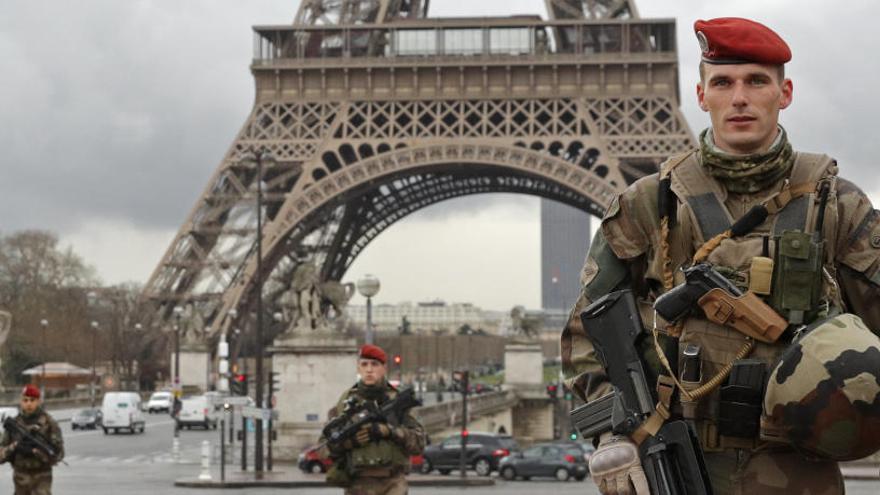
[
  {"x": 32, "y": 474},
  {"x": 379, "y": 467},
  {"x": 627, "y": 253}
]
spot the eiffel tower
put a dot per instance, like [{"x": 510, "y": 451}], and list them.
[{"x": 373, "y": 110}]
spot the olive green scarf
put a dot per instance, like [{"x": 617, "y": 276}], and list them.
[
  {"x": 747, "y": 173},
  {"x": 375, "y": 392}
]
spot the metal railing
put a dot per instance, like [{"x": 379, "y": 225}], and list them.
[
  {"x": 464, "y": 38},
  {"x": 447, "y": 413}
]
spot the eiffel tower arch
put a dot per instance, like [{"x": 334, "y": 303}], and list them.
[{"x": 373, "y": 110}]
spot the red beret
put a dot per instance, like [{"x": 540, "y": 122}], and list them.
[
  {"x": 732, "y": 40},
  {"x": 30, "y": 391},
  {"x": 370, "y": 351}
]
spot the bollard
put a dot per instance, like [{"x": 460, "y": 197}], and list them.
[
  {"x": 175, "y": 450},
  {"x": 205, "y": 475}
]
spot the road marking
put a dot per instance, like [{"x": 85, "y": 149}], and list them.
[{"x": 95, "y": 432}]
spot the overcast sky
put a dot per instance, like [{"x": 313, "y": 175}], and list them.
[{"x": 113, "y": 115}]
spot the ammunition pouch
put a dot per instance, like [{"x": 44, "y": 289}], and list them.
[
  {"x": 797, "y": 276},
  {"x": 381, "y": 454},
  {"x": 739, "y": 409},
  {"x": 712, "y": 441}
]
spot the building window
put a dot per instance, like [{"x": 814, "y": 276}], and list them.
[
  {"x": 416, "y": 42},
  {"x": 512, "y": 41},
  {"x": 463, "y": 41}
]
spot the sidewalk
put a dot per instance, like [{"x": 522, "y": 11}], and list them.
[
  {"x": 860, "y": 470},
  {"x": 63, "y": 415},
  {"x": 289, "y": 476}
]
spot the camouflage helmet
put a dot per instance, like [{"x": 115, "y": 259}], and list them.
[{"x": 823, "y": 394}]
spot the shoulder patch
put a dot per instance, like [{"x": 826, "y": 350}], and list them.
[
  {"x": 632, "y": 221},
  {"x": 603, "y": 271}
]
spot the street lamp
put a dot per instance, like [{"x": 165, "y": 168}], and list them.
[
  {"x": 175, "y": 443},
  {"x": 44, "y": 323},
  {"x": 92, "y": 298},
  {"x": 257, "y": 162},
  {"x": 138, "y": 327},
  {"x": 178, "y": 312},
  {"x": 368, "y": 286},
  {"x": 95, "y": 327}
]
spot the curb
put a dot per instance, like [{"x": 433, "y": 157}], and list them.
[{"x": 415, "y": 482}]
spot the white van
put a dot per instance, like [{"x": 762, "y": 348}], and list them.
[
  {"x": 198, "y": 410},
  {"x": 122, "y": 411}
]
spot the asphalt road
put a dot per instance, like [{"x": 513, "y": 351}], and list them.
[{"x": 142, "y": 465}]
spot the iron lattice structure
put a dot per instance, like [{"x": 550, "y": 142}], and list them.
[{"x": 373, "y": 111}]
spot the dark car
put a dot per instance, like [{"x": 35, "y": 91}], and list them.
[
  {"x": 560, "y": 461},
  {"x": 484, "y": 450},
  {"x": 86, "y": 419}
]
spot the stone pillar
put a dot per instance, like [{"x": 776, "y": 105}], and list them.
[
  {"x": 313, "y": 372},
  {"x": 523, "y": 366},
  {"x": 195, "y": 367}
]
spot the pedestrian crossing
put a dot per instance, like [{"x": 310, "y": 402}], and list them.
[
  {"x": 151, "y": 458},
  {"x": 187, "y": 456}
]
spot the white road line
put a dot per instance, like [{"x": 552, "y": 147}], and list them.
[{"x": 95, "y": 432}]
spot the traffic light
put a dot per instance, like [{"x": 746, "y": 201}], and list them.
[
  {"x": 239, "y": 384},
  {"x": 460, "y": 380},
  {"x": 573, "y": 435},
  {"x": 397, "y": 359},
  {"x": 567, "y": 393},
  {"x": 274, "y": 383},
  {"x": 552, "y": 390}
]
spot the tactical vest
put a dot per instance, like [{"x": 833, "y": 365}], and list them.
[
  {"x": 381, "y": 454},
  {"x": 40, "y": 423},
  {"x": 701, "y": 214}
]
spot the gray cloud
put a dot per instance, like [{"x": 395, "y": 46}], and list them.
[{"x": 121, "y": 110}]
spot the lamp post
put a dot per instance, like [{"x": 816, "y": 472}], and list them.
[
  {"x": 368, "y": 286},
  {"x": 92, "y": 298},
  {"x": 257, "y": 161},
  {"x": 175, "y": 443},
  {"x": 95, "y": 327},
  {"x": 138, "y": 327},
  {"x": 44, "y": 324}
]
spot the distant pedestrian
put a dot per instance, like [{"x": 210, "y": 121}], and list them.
[
  {"x": 376, "y": 460},
  {"x": 32, "y": 468}
]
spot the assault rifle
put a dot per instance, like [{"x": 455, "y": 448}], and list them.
[
  {"x": 359, "y": 413},
  {"x": 27, "y": 441},
  {"x": 672, "y": 458}
]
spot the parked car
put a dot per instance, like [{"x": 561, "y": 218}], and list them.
[
  {"x": 86, "y": 419},
  {"x": 311, "y": 461},
  {"x": 122, "y": 411},
  {"x": 160, "y": 402},
  {"x": 198, "y": 410},
  {"x": 484, "y": 450},
  {"x": 561, "y": 461}
]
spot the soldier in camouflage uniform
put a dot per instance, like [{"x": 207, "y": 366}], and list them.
[
  {"x": 376, "y": 461},
  {"x": 32, "y": 472},
  {"x": 815, "y": 260}
]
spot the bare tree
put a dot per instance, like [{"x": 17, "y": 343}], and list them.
[{"x": 41, "y": 281}]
